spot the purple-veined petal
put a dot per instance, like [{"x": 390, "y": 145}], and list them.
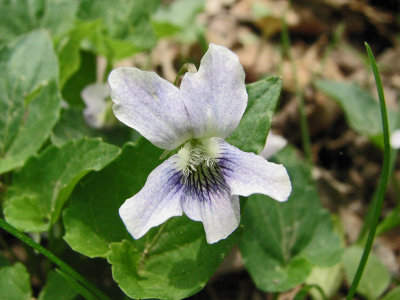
[
  {"x": 215, "y": 96},
  {"x": 248, "y": 173},
  {"x": 219, "y": 213},
  {"x": 151, "y": 105},
  {"x": 395, "y": 139},
  {"x": 156, "y": 202}
]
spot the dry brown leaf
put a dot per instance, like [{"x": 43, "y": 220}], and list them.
[
  {"x": 222, "y": 30},
  {"x": 351, "y": 221}
]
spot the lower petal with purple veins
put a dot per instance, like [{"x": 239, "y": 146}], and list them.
[
  {"x": 220, "y": 216},
  {"x": 207, "y": 198}
]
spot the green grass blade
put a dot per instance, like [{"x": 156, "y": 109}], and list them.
[
  {"x": 60, "y": 263},
  {"x": 377, "y": 206},
  {"x": 76, "y": 286}
]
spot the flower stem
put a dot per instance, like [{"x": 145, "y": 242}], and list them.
[
  {"x": 188, "y": 67},
  {"x": 60, "y": 263},
  {"x": 305, "y": 133},
  {"x": 377, "y": 206},
  {"x": 76, "y": 286}
]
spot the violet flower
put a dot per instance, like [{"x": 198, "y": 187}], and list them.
[{"x": 207, "y": 175}]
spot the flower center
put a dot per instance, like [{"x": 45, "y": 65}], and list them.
[
  {"x": 201, "y": 174},
  {"x": 197, "y": 153}
]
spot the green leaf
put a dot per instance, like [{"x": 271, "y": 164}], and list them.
[
  {"x": 18, "y": 17},
  {"x": 14, "y": 283},
  {"x": 3, "y": 261},
  {"x": 172, "y": 261},
  {"x": 328, "y": 279},
  {"x": 376, "y": 277},
  {"x": 56, "y": 288},
  {"x": 85, "y": 75},
  {"x": 59, "y": 16},
  {"x": 361, "y": 109},
  {"x": 70, "y": 126},
  {"x": 127, "y": 27},
  {"x": 165, "y": 22},
  {"x": 324, "y": 249},
  {"x": 39, "y": 191},
  {"x": 68, "y": 50},
  {"x": 393, "y": 294},
  {"x": 283, "y": 241},
  {"x": 251, "y": 134},
  {"x": 185, "y": 9},
  {"x": 91, "y": 220},
  {"x": 29, "y": 97}
]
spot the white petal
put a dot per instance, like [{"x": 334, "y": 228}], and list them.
[
  {"x": 215, "y": 96},
  {"x": 94, "y": 96},
  {"x": 220, "y": 214},
  {"x": 274, "y": 144},
  {"x": 395, "y": 139},
  {"x": 94, "y": 93},
  {"x": 156, "y": 202},
  {"x": 248, "y": 173},
  {"x": 151, "y": 105}
]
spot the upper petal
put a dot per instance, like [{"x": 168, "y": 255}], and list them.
[
  {"x": 156, "y": 202},
  {"x": 151, "y": 105},
  {"x": 215, "y": 96},
  {"x": 248, "y": 173}
]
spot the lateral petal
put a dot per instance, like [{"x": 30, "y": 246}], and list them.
[
  {"x": 248, "y": 173},
  {"x": 216, "y": 95},
  {"x": 151, "y": 105},
  {"x": 156, "y": 202}
]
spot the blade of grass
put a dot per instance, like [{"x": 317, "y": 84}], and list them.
[
  {"x": 57, "y": 261},
  {"x": 377, "y": 206},
  {"x": 370, "y": 213},
  {"x": 76, "y": 286}
]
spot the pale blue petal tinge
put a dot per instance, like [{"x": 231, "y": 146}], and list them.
[
  {"x": 216, "y": 95},
  {"x": 151, "y": 105},
  {"x": 248, "y": 173},
  {"x": 205, "y": 177}
]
